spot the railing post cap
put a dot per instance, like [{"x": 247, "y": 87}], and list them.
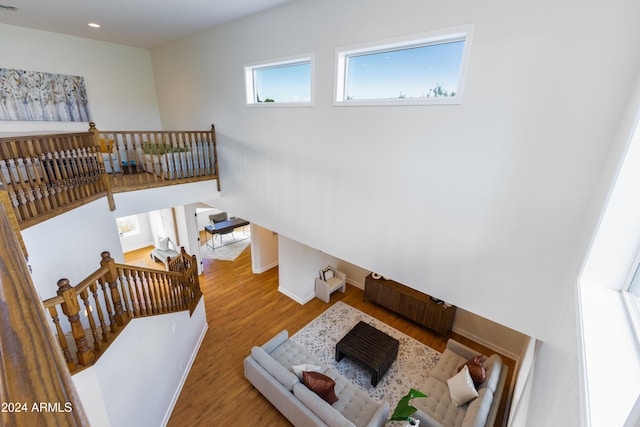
[
  {"x": 63, "y": 283},
  {"x": 105, "y": 255},
  {"x": 92, "y": 125}
]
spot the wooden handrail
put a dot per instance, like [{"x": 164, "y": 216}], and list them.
[
  {"x": 100, "y": 306},
  {"x": 47, "y": 175},
  {"x": 143, "y": 159},
  {"x": 35, "y": 383},
  {"x": 4, "y": 200}
]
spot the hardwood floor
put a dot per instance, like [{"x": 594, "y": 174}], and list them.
[{"x": 246, "y": 309}]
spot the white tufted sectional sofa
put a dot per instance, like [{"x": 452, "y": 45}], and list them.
[
  {"x": 438, "y": 410},
  {"x": 270, "y": 369}
]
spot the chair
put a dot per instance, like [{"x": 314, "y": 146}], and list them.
[
  {"x": 330, "y": 280},
  {"x": 221, "y": 217},
  {"x": 164, "y": 249}
]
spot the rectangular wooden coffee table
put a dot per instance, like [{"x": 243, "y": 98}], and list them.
[{"x": 370, "y": 347}]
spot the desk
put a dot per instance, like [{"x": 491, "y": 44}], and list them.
[{"x": 221, "y": 227}]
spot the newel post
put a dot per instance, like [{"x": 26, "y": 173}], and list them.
[
  {"x": 95, "y": 136},
  {"x": 112, "y": 279},
  {"x": 71, "y": 309}
]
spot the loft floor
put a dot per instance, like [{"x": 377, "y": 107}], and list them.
[{"x": 246, "y": 309}]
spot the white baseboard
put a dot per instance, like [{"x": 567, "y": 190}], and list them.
[
  {"x": 486, "y": 343},
  {"x": 296, "y": 298},
  {"x": 185, "y": 374},
  {"x": 263, "y": 268},
  {"x": 356, "y": 284}
]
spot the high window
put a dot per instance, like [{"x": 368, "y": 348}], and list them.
[
  {"x": 421, "y": 69},
  {"x": 285, "y": 82}
]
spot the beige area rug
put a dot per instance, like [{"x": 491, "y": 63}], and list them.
[
  {"x": 229, "y": 249},
  {"x": 411, "y": 368}
]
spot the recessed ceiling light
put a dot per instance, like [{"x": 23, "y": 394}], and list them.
[{"x": 94, "y": 25}]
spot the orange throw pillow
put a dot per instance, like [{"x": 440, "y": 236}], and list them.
[
  {"x": 476, "y": 370},
  {"x": 321, "y": 385}
]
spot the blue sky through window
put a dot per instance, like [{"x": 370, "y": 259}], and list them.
[
  {"x": 412, "y": 72},
  {"x": 289, "y": 83}
]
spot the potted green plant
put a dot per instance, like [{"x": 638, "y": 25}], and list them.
[{"x": 404, "y": 410}]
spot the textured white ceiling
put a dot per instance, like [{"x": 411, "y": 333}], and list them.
[{"x": 139, "y": 23}]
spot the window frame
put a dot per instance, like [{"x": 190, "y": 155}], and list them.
[
  {"x": 250, "y": 83},
  {"x": 431, "y": 38}
]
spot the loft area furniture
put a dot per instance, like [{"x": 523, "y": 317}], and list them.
[
  {"x": 270, "y": 369},
  {"x": 481, "y": 410},
  {"x": 328, "y": 281},
  {"x": 223, "y": 227},
  {"x": 370, "y": 347},
  {"x": 218, "y": 218},
  {"x": 410, "y": 303},
  {"x": 167, "y": 155},
  {"x": 164, "y": 250},
  {"x": 171, "y": 162}
]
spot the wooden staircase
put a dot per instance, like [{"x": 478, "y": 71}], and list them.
[{"x": 99, "y": 307}]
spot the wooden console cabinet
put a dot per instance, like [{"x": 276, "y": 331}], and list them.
[{"x": 410, "y": 303}]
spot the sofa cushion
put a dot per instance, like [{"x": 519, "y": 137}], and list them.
[
  {"x": 106, "y": 146},
  {"x": 493, "y": 367},
  {"x": 327, "y": 273},
  {"x": 447, "y": 366},
  {"x": 478, "y": 410},
  {"x": 438, "y": 405},
  {"x": 476, "y": 370},
  {"x": 290, "y": 354},
  {"x": 319, "y": 407},
  {"x": 162, "y": 243},
  {"x": 279, "y": 372},
  {"x": 299, "y": 369},
  {"x": 321, "y": 385},
  {"x": 461, "y": 387},
  {"x": 354, "y": 403}
]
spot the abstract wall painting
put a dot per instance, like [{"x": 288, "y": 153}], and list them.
[{"x": 34, "y": 95}]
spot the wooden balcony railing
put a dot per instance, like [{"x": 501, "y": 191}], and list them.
[
  {"x": 32, "y": 370},
  {"x": 143, "y": 159},
  {"x": 46, "y": 175},
  {"x": 99, "y": 307}
]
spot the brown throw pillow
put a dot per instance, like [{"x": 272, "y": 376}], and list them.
[
  {"x": 476, "y": 370},
  {"x": 321, "y": 385}
]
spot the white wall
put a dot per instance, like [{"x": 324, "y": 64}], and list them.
[
  {"x": 119, "y": 79},
  {"x": 143, "y": 371},
  {"x": 69, "y": 245},
  {"x": 298, "y": 266},
  {"x": 299, "y": 263},
  {"x": 497, "y": 191},
  {"x": 264, "y": 249}
]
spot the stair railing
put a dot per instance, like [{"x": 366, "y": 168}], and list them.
[
  {"x": 32, "y": 371},
  {"x": 100, "y": 306}
]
